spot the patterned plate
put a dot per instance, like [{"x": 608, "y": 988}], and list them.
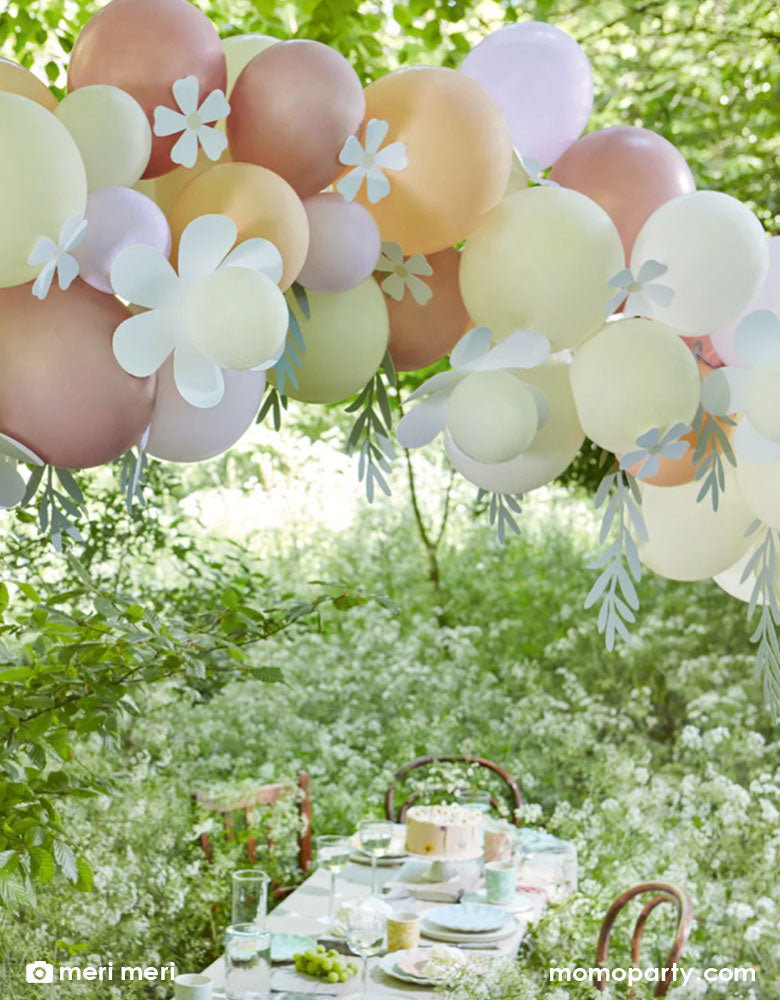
[
  {"x": 435, "y": 933},
  {"x": 470, "y": 917}
]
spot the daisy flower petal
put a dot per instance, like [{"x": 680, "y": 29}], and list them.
[
  {"x": 12, "y": 486},
  {"x": 143, "y": 342},
  {"x": 650, "y": 467},
  {"x": 422, "y": 424},
  {"x": 662, "y": 295},
  {"x": 392, "y": 256},
  {"x": 143, "y": 275},
  {"x": 185, "y": 92},
  {"x": 636, "y": 305},
  {"x": 73, "y": 231},
  {"x": 393, "y": 157},
  {"x": 204, "y": 244},
  {"x": 471, "y": 347},
  {"x": 200, "y": 382},
  {"x": 520, "y": 349},
  {"x": 417, "y": 264},
  {"x": 614, "y": 302},
  {"x": 352, "y": 152},
  {"x": 258, "y": 255},
  {"x": 393, "y": 285},
  {"x": 168, "y": 122},
  {"x": 377, "y": 185},
  {"x": 650, "y": 270},
  {"x": 421, "y": 293},
  {"x": 376, "y": 131},
  {"x": 67, "y": 271},
  {"x": 349, "y": 185},
  {"x": 213, "y": 141},
  {"x": 214, "y": 108},
  {"x": 42, "y": 252},
  {"x": 622, "y": 279},
  {"x": 43, "y": 282},
  {"x": 185, "y": 150}
]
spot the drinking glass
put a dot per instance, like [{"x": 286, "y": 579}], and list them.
[
  {"x": 250, "y": 897},
  {"x": 365, "y": 937},
  {"x": 474, "y": 798},
  {"x": 247, "y": 963},
  {"x": 375, "y": 835},
  {"x": 333, "y": 854}
]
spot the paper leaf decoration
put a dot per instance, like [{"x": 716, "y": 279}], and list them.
[{"x": 371, "y": 433}]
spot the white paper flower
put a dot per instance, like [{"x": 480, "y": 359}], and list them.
[
  {"x": 404, "y": 274},
  {"x": 12, "y": 486},
  {"x": 637, "y": 290},
  {"x": 56, "y": 257},
  {"x": 370, "y": 162},
  {"x": 652, "y": 448},
  {"x": 193, "y": 122},
  {"x": 142, "y": 275}
]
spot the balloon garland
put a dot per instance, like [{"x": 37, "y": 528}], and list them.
[{"x": 203, "y": 229}]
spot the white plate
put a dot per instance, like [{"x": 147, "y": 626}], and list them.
[
  {"x": 520, "y": 904},
  {"x": 389, "y": 965},
  {"x": 469, "y": 917},
  {"x": 387, "y": 861},
  {"x": 436, "y": 933}
]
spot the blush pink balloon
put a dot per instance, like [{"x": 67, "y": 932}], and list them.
[
  {"x": 767, "y": 298},
  {"x": 629, "y": 171},
  {"x": 344, "y": 244},
  {"x": 62, "y": 392},
  {"x": 184, "y": 433},
  {"x": 118, "y": 218},
  {"x": 704, "y": 351}
]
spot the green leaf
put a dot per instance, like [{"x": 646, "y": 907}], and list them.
[{"x": 66, "y": 860}]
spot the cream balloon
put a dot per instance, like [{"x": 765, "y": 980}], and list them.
[
  {"x": 112, "y": 133},
  {"x": 541, "y": 260},
  {"x": 492, "y": 416},
  {"x": 717, "y": 256},
  {"x": 346, "y": 336},
  {"x": 237, "y": 318},
  {"x": 689, "y": 540},
  {"x": 763, "y": 403},
  {"x": 553, "y": 449},
  {"x": 759, "y": 483},
  {"x": 42, "y": 183},
  {"x": 634, "y": 374},
  {"x": 240, "y": 50},
  {"x": 731, "y": 580}
]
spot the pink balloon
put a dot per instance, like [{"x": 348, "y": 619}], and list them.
[
  {"x": 117, "y": 218},
  {"x": 767, "y": 298},
  {"x": 183, "y": 433},
  {"x": 344, "y": 244},
  {"x": 542, "y": 81},
  {"x": 629, "y": 171},
  {"x": 703, "y": 349}
]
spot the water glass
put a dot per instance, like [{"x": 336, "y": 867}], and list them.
[
  {"x": 247, "y": 963},
  {"x": 375, "y": 835},
  {"x": 250, "y": 897},
  {"x": 365, "y": 937},
  {"x": 474, "y": 798},
  {"x": 333, "y": 853}
]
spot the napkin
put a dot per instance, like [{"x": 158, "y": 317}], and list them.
[
  {"x": 339, "y": 926},
  {"x": 441, "y": 958}
]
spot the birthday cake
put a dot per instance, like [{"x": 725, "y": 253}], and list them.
[{"x": 445, "y": 831}]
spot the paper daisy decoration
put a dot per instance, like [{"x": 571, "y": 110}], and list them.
[
  {"x": 404, "y": 274},
  {"x": 194, "y": 122},
  {"x": 370, "y": 163},
  {"x": 638, "y": 290},
  {"x": 652, "y": 447},
  {"x": 55, "y": 258}
]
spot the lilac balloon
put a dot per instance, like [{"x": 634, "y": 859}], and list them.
[
  {"x": 117, "y": 218},
  {"x": 542, "y": 81},
  {"x": 767, "y": 298},
  {"x": 183, "y": 433},
  {"x": 344, "y": 244}
]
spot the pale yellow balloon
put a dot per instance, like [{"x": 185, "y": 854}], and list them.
[
  {"x": 241, "y": 49},
  {"x": 541, "y": 260},
  {"x": 492, "y": 416},
  {"x": 689, "y": 540},
  {"x": 346, "y": 338},
  {"x": 633, "y": 375},
  {"x": 42, "y": 183},
  {"x": 111, "y": 131},
  {"x": 759, "y": 483}
]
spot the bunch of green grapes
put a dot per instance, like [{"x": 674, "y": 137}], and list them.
[{"x": 324, "y": 964}]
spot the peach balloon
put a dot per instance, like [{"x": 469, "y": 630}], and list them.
[
  {"x": 144, "y": 47},
  {"x": 629, "y": 171},
  {"x": 62, "y": 393},
  {"x": 292, "y": 109},
  {"x": 459, "y": 156},
  {"x": 15, "y": 79},
  {"x": 257, "y": 200},
  {"x": 420, "y": 335}
]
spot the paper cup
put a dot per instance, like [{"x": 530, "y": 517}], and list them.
[
  {"x": 500, "y": 881},
  {"x": 403, "y": 931},
  {"x": 498, "y": 845},
  {"x": 192, "y": 986}
]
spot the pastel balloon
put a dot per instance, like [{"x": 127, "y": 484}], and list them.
[
  {"x": 183, "y": 433},
  {"x": 703, "y": 348},
  {"x": 492, "y": 416},
  {"x": 542, "y": 81},
  {"x": 292, "y": 109},
  {"x": 143, "y": 47},
  {"x": 241, "y": 49},
  {"x": 260, "y": 203},
  {"x": 629, "y": 171},
  {"x": 454, "y": 175},
  {"x": 731, "y": 580},
  {"x": 759, "y": 484},
  {"x": 768, "y": 297},
  {"x": 62, "y": 393},
  {"x": 344, "y": 244},
  {"x": 42, "y": 183},
  {"x": 346, "y": 338},
  {"x": 689, "y": 540},
  {"x": 166, "y": 189},
  {"x": 118, "y": 218},
  {"x": 420, "y": 335},
  {"x": 541, "y": 260},
  {"x": 15, "y": 79},
  {"x": 633, "y": 375},
  {"x": 112, "y": 133},
  {"x": 717, "y": 257}
]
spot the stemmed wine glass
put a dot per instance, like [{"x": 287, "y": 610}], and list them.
[
  {"x": 365, "y": 937},
  {"x": 333, "y": 854},
  {"x": 375, "y": 835}
]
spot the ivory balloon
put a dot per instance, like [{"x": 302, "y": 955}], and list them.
[
  {"x": 688, "y": 540},
  {"x": 42, "y": 183},
  {"x": 492, "y": 416},
  {"x": 292, "y": 109},
  {"x": 541, "y": 260},
  {"x": 62, "y": 393},
  {"x": 717, "y": 255},
  {"x": 768, "y": 297},
  {"x": 759, "y": 483},
  {"x": 629, "y": 171},
  {"x": 111, "y": 132},
  {"x": 731, "y": 580},
  {"x": 240, "y": 50},
  {"x": 553, "y": 449},
  {"x": 344, "y": 244},
  {"x": 15, "y": 79},
  {"x": 143, "y": 47},
  {"x": 259, "y": 202},
  {"x": 346, "y": 338},
  {"x": 183, "y": 433},
  {"x": 634, "y": 374},
  {"x": 456, "y": 173},
  {"x": 420, "y": 335}
]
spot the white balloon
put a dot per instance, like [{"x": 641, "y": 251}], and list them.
[
  {"x": 492, "y": 416},
  {"x": 768, "y": 297},
  {"x": 763, "y": 401},
  {"x": 759, "y": 483},
  {"x": 731, "y": 580}
]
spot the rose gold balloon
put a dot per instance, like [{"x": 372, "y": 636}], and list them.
[
  {"x": 629, "y": 171},
  {"x": 144, "y": 47},
  {"x": 292, "y": 109},
  {"x": 62, "y": 392}
]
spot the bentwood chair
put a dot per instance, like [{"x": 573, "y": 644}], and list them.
[
  {"x": 397, "y": 814},
  {"x": 664, "y": 893}
]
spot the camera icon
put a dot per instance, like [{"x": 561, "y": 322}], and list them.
[{"x": 40, "y": 972}]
